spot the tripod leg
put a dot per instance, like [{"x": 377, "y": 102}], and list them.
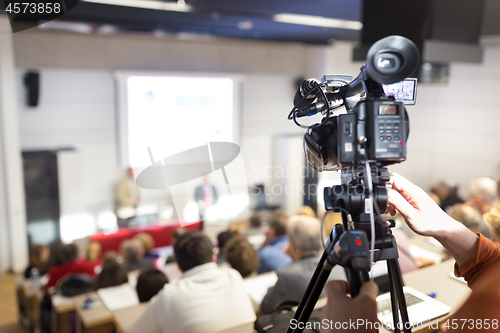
[
  {"x": 355, "y": 281},
  {"x": 398, "y": 285},
  {"x": 394, "y": 301}
]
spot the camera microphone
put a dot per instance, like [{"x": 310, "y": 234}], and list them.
[
  {"x": 303, "y": 95},
  {"x": 320, "y": 106}
]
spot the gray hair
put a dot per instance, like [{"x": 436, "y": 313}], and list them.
[
  {"x": 485, "y": 187},
  {"x": 133, "y": 250},
  {"x": 305, "y": 233}
]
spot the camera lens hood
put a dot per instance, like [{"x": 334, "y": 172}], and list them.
[{"x": 392, "y": 59}]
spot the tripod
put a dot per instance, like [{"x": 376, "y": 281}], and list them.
[{"x": 348, "y": 245}]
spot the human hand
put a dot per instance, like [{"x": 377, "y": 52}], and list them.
[
  {"x": 421, "y": 213},
  {"x": 350, "y": 314}
]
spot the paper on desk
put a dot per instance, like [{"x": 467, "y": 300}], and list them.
[
  {"x": 256, "y": 287},
  {"x": 59, "y": 300},
  {"x": 461, "y": 279},
  {"x": 119, "y": 297},
  {"x": 419, "y": 252}
]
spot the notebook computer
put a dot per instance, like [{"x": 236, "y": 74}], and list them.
[{"x": 421, "y": 307}]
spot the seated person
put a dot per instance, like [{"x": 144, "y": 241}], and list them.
[
  {"x": 71, "y": 264},
  {"x": 255, "y": 225},
  {"x": 112, "y": 274},
  {"x": 133, "y": 256},
  {"x": 304, "y": 233},
  {"x": 492, "y": 220},
  {"x": 241, "y": 255},
  {"x": 148, "y": 244},
  {"x": 271, "y": 254},
  {"x": 93, "y": 254},
  {"x": 468, "y": 215},
  {"x": 207, "y": 298},
  {"x": 149, "y": 283},
  {"x": 477, "y": 260},
  {"x": 222, "y": 239},
  {"x": 39, "y": 257}
]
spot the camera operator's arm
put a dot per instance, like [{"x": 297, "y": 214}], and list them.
[
  {"x": 426, "y": 218},
  {"x": 357, "y": 314}
]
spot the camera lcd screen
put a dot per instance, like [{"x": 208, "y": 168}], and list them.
[
  {"x": 404, "y": 91},
  {"x": 387, "y": 110}
]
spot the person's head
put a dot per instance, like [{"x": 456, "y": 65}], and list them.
[
  {"x": 39, "y": 255},
  {"x": 112, "y": 274},
  {"x": 277, "y": 226},
  {"x": 469, "y": 216},
  {"x": 492, "y": 220},
  {"x": 148, "y": 243},
  {"x": 307, "y": 211},
  {"x": 93, "y": 251},
  {"x": 241, "y": 255},
  {"x": 483, "y": 193},
  {"x": 69, "y": 252},
  {"x": 109, "y": 257},
  {"x": 304, "y": 233},
  {"x": 193, "y": 249},
  {"x": 176, "y": 234},
  {"x": 256, "y": 220},
  {"x": 149, "y": 283},
  {"x": 132, "y": 250},
  {"x": 446, "y": 188},
  {"x": 223, "y": 238}
]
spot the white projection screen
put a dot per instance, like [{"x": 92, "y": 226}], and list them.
[{"x": 173, "y": 113}]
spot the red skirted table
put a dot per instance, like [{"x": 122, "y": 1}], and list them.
[{"x": 162, "y": 235}]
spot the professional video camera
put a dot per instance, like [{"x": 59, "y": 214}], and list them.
[{"x": 368, "y": 136}]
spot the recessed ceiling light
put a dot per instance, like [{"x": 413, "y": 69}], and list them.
[
  {"x": 317, "y": 21},
  {"x": 179, "y": 6}
]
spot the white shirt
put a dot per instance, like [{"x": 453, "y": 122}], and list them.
[{"x": 206, "y": 298}]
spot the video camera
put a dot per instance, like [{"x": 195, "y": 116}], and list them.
[
  {"x": 369, "y": 136},
  {"x": 375, "y": 127}
]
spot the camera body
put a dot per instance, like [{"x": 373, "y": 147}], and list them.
[{"x": 377, "y": 125}]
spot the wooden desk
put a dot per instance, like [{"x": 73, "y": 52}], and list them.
[
  {"x": 97, "y": 319},
  {"x": 31, "y": 296},
  {"x": 62, "y": 310},
  {"x": 124, "y": 319}
]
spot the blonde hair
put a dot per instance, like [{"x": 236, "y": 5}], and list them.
[
  {"x": 307, "y": 211},
  {"x": 492, "y": 218},
  {"x": 148, "y": 243}
]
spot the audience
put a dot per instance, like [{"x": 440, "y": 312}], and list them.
[
  {"x": 207, "y": 298},
  {"x": 492, "y": 219},
  {"x": 305, "y": 244},
  {"x": 149, "y": 283},
  {"x": 447, "y": 191},
  {"x": 241, "y": 255},
  {"x": 271, "y": 254},
  {"x": 71, "y": 264},
  {"x": 467, "y": 215},
  {"x": 307, "y": 211},
  {"x": 148, "y": 244},
  {"x": 39, "y": 257},
  {"x": 133, "y": 256},
  {"x": 222, "y": 239},
  {"x": 112, "y": 274}
]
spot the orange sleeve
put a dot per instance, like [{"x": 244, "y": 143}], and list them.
[
  {"x": 488, "y": 254},
  {"x": 481, "y": 311}
]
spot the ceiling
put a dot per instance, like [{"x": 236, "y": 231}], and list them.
[{"x": 236, "y": 18}]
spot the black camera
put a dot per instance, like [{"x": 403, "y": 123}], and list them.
[{"x": 375, "y": 127}]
